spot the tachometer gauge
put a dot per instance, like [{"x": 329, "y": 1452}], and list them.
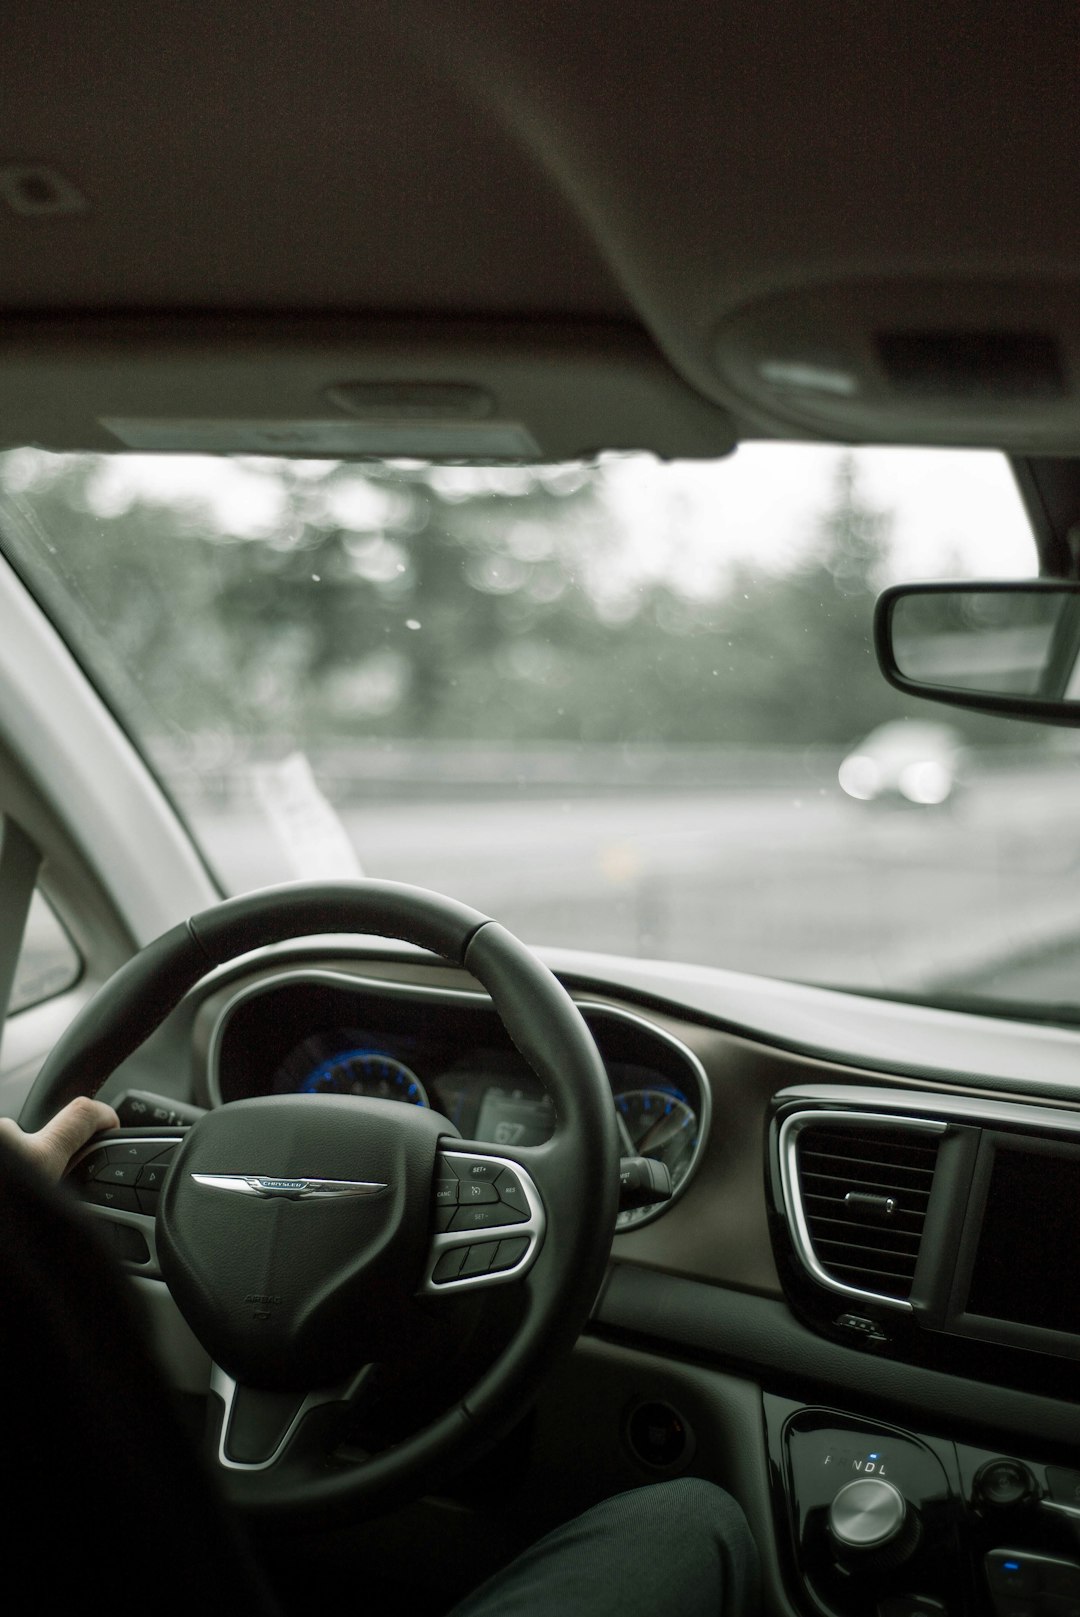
[
  {"x": 365, "y": 1072},
  {"x": 657, "y": 1123}
]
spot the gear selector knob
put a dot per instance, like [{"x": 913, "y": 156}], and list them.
[{"x": 872, "y": 1524}]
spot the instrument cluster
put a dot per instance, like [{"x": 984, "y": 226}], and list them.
[{"x": 310, "y": 1031}]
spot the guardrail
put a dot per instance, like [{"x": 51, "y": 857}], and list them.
[{"x": 209, "y": 772}]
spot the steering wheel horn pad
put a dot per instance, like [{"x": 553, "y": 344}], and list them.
[{"x": 293, "y": 1232}]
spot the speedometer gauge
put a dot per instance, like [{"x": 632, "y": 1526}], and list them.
[
  {"x": 365, "y": 1072},
  {"x": 658, "y": 1123}
]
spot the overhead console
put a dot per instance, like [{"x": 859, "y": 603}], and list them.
[
  {"x": 965, "y": 361},
  {"x": 935, "y": 1228}
]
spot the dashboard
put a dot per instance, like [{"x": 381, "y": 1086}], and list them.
[{"x": 751, "y": 1329}]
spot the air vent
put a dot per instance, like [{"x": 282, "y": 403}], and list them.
[{"x": 864, "y": 1188}]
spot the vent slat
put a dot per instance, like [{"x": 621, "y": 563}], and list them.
[
  {"x": 890, "y": 1226},
  {"x": 862, "y": 1272},
  {"x": 852, "y": 1243},
  {"x": 870, "y": 1162},
  {"x": 904, "y": 1260}
]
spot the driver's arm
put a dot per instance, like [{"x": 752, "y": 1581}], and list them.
[{"x": 53, "y": 1146}]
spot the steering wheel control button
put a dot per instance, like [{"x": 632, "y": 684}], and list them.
[
  {"x": 487, "y": 1217},
  {"x": 474, "y": 1169},
  {"x": 449, "y": 1265},
  {"x": 475, "y": 1192},
  {"x": 510, "y": 1253},
  {"x": 117, "y": 1173},
  {"x": 446, "y": 1192},
  {"x": 510, "y": 1192},
  {"x": 137, "y": 1150},
  {"x": 478, "y": 1259},
  {"x": 119, "y": 1197},
  {"x": 152, "y": 1176},
  {"x": 88, "y": 1167}
]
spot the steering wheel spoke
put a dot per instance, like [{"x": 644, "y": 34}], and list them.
[
  {"x": 261, "y": 1430},
  {"x": 118, "y": 1177},
  {"x": 489, "y": 1220}
]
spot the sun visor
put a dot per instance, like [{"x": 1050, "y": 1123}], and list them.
[
  {"x": 348, "y": 390},
  {"x": 961, "y": 363}
]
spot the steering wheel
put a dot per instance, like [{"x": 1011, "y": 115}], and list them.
[{"x": 303, "y": 1236}]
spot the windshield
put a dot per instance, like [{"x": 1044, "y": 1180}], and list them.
[{"x": 629, "y": 707}]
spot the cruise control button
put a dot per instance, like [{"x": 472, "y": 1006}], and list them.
[
  {"x": 449, "y": 1265},
  {"x": 475, "y": 1192},
  {"x": 446, "y": 1192},
  {"x": 118, "y": 1197},
  {"x": 117, "y": 1173},
  {"x": 474, "y": 1168},
  {"x": 511, "y": 1192},
  {"x": 510, "y": 1252},
  {"x": 479, "y": 1218},
  {"x": 444, "y": 1218}
]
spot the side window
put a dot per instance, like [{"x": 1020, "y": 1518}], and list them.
[{"x": 48, "y": 960}]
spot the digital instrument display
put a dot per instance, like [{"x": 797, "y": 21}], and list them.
[{"x": 511, "y": 1117}]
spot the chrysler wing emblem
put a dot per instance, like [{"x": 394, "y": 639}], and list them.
[{"x": 294, "y": 1190}]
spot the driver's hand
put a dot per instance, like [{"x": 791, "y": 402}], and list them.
[{"x": 53, "y": 1147}]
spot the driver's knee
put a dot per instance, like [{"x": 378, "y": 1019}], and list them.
[
  {"x": 708, "y": 1561},
  {"x": 681, "y": 1547}
]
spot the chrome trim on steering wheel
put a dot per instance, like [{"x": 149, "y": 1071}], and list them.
[
  {"x": 531, "y": 1228},
  {"x": 226, "y": 1389},
  {"x": 294, "y": 1190}
]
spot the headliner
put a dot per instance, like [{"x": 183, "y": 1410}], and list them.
[{"x": 647, "y": 165}]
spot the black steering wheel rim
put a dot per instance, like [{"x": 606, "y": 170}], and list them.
[{"x": 578, "y": 1167}]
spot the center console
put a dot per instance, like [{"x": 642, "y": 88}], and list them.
[
  {"x": 939, "y": 1230},
  {"x": 882, "y": 1522}
]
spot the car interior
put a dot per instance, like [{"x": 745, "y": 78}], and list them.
[{"x": 441, "y": 1237}]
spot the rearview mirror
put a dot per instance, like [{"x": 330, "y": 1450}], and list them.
[{"x": 1010, "y": 648}]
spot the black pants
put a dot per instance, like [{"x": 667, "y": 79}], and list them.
[{"x": 679, "y": 1547}]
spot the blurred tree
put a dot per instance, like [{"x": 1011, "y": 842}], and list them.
[{"x": 438, "y": 602}]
